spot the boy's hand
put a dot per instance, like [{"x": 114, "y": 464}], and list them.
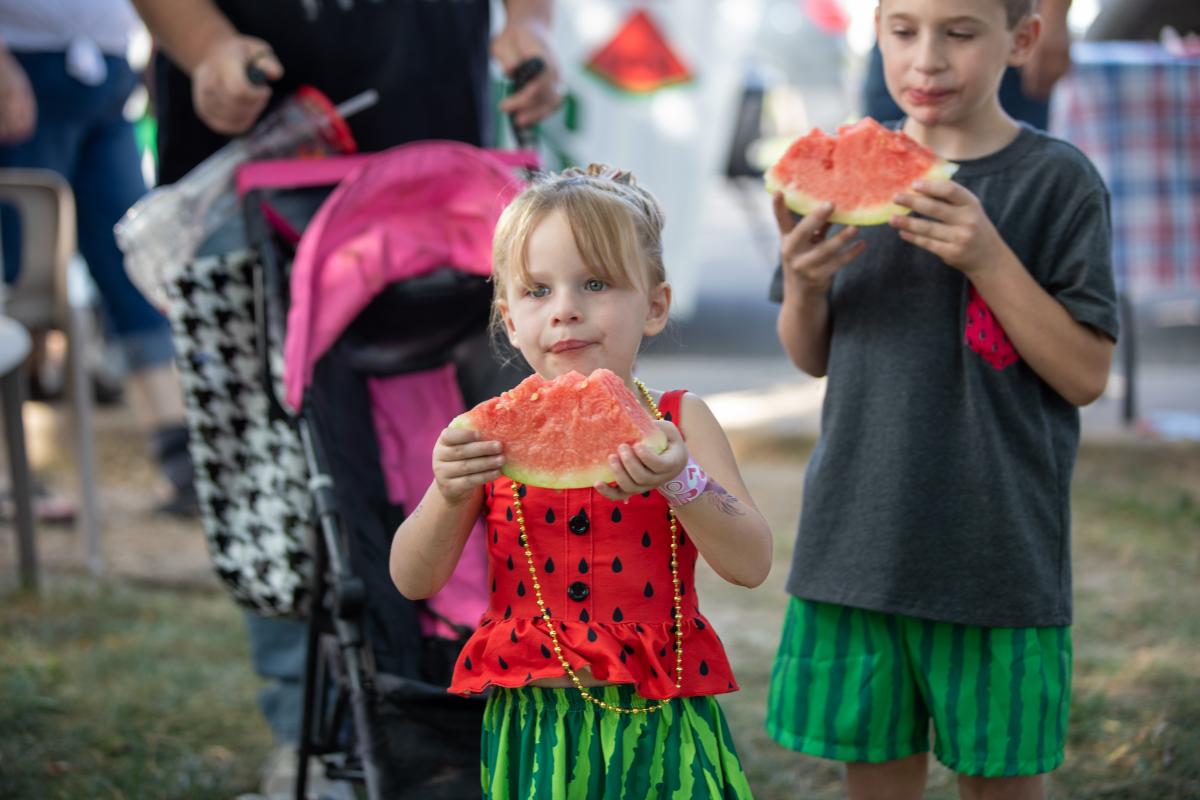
[
  {"x": 462, "y": 463},
  {"x": 639, "y": 469},
  {"x": 958, "y": 230},
  {"x": 809, "y": 259}
]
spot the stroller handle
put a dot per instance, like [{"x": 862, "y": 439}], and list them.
[{"x": 526, "y": 71}]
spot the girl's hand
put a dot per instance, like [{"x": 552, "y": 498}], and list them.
[
  {"x": 639, "y": 469},
  {"x": 810, "y": 260},
  {"x": 958, "y": 230},
  {"x": 462, "y": 463}
]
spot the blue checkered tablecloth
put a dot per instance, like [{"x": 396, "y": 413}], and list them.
[{"x": 1135, "y": 111}]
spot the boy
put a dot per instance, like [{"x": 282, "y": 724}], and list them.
[{"x": 931, "y": 576}]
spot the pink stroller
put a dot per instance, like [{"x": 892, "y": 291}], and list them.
[{"x": 386, "y": 300}]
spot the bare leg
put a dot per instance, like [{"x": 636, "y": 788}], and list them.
[
  {"x": 902, "y": 779},
  {"x": 1030, "y": 787}
]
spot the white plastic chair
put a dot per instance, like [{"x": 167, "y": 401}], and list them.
[
  {"x": 39, "y": 301},
  {"x": 14, "y": 349}
]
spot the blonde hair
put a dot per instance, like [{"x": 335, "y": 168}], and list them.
[{"x": 616, "y": 223}]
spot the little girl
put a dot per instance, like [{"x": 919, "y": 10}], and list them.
[{"x": 601, "y": 667}]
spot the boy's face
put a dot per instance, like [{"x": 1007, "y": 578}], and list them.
[{"x": 943, "y": 59}]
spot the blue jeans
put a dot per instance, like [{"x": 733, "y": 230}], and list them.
[
  {"x": 277, "y": 647},
  {"x": 879, "y": 104},
  {"x": 83, "y": 135}
]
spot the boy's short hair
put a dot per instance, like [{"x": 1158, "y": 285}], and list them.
[
  {"x": 1014, "y": 10},
  {"x": 1017, "y": 10}
]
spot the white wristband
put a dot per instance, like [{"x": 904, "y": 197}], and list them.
[{"x": 686, "y": 486}]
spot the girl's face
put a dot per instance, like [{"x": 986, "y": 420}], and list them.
[{"x": 572, "y": 320}]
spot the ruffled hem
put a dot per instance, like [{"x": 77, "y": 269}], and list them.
[{"x": 516, "y": 651}]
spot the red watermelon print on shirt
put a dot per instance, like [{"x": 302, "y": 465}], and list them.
[{"x": 983, "y": 333}]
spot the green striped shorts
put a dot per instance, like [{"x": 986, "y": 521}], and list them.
[
  {"x": 856, "y": 685},
  {"x": 551, "y": 744}
]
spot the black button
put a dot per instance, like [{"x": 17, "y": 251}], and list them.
[
  {"x": 579, "y": 523},
  {"x": 578, "y": 591}
]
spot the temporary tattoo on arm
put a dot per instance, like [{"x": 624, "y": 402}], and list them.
[{"x": 723, "y": 500}]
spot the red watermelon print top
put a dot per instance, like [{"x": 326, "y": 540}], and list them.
[{"x": 605, "y": 572}]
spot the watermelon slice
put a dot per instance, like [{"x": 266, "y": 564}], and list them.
[
  {"x": 558, "y": 434},
  {"x": 860, "y": 170}
]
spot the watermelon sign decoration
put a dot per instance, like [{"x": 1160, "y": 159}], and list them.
[
  {"x": 860, "y": 170},
  {"x": 558, "y": 434},
  {"x": 639, "y": 59}
]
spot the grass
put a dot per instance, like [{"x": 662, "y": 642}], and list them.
[{"x": 110, "y": 691}]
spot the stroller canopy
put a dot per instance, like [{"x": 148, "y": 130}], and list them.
[{"x": 402, "y": 213}]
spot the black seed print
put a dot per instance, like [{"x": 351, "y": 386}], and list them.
[
  {"x": 617, "y": 565},
  {"x": 510, "y": 563},
  {"x": 467, "y": 663},
  {"x": 584, "y": 616},
  {"x": 520, "y": 588},
  {"x": 624, "y": 657},
  {"x": 616, "y": 515},
  {"x": 512, "y": 635},
  {"x": 507, "y": 612},
  {"x": 703, "y": 667},
  {"x": 699, "y": 624},
  {"x": 549, "y": 565},
  {"x": 503, "y": 663},
  {"x": 645, "y": 538},
  {"x": 982, "y": 335},
  {"x": 663, "y": 653},
  {"x": 682, "y": 588},
  {"x": 493, "y": 584},
  {"x": 653, "y": 672},
  {"x": 617, "y": 615},
  {"x": 649, "y": 590},
  {"x": 731, "y": 686},
  {"x": 646, "y": 495},
  {"x": 562, "y": 626},
  {"x": 667, "y": 416},
  {"x": 495, "y": 535},
  {"x": 549, "y": 516},
  {"x": 591, "y": 635},
  {"x": 545, "y": 651},
  {"x": 627, "y": 648},
  {"x": 682, "y": 539},
  {"x": 549, "y": 613},
  {"x": 637, "y": 626},
  {"x": 583, "y": 567},
  {"x": 528, "y": 677},
  {"x": 508, "y": 513},
  {"x": 521, "y": 491}
]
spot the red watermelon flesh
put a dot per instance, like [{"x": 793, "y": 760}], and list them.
[
  {"x": 860, "y": 170},
  {"x": 558, "y": 434}
]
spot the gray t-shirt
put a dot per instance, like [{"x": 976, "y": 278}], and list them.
[{"x": 940, "y": 485}]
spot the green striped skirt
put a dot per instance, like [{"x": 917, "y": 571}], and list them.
[
  {"x": 856, "y": 685},
  {"x": 551, "y": 744}
]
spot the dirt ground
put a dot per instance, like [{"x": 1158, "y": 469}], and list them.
[{"x": 137, "y": 543}]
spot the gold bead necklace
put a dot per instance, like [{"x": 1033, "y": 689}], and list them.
[{"x": 678, "y": 604}]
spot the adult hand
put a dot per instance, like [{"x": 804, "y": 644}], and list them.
[
  {"x": 462, "y": 463},
  {"x": 521, "y": 40},
  {"x": 18, "y": 108},
  {"x": 809, "y": 258},
  {"x": 224, "y": 97},
  {"x": 956, "y": 229},
  {"x": 1051, "y": 57},
  {"x": 639, "y": 469}
]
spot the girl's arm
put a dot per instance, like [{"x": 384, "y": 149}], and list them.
[
  {"x": 728, "y": 529},
  {"x": 427, "y": 545},
  {"x": 723, "y": 521}
]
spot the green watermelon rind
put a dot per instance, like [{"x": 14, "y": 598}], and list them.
[
  {"x": 804, "y": 204},
  {"x": 582, "y": 478}
]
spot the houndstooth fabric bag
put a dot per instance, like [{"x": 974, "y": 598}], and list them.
[{"x": 250, "y": 470}]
